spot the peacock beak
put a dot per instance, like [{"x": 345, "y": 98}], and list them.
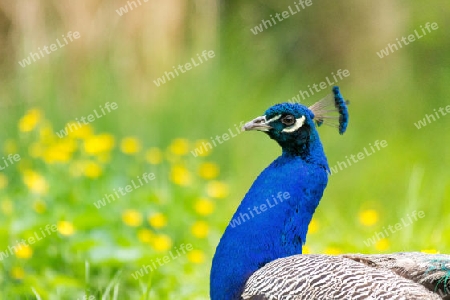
[{"x": 257, "y": 124}]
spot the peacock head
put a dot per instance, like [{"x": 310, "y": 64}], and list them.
[{"x": 292, "y": 125}]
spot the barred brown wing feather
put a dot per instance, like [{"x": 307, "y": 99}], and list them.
[{"x": 301, "y": 277}]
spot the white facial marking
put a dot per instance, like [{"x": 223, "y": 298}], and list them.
[
  {"x": 273, "y": 119},
  {"x": 298, "y": 123}
]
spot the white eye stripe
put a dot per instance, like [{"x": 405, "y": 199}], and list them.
[
  {"x": 273, "y": 119},
  {"x": 298, "y": 123}
]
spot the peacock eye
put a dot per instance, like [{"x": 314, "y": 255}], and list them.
[{"x": 288, "y": 120}]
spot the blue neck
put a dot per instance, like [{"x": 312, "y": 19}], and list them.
[{"x": 272, "y": 220}]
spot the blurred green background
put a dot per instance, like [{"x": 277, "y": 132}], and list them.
[{"x": 95, "y": 252}]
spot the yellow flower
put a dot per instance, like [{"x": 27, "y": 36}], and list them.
[
  {"x": 145, "y": 235},
  {"x": 132, "y": 217},
  {"x": 430, "y": 251},
  {"x": 52, "y": 155},
  {"x": 10, "y": 146},
  {"x": 161, "y": 242},
  {"x": 65, "y": 228},
  {"x": 92, "y": 170},
  {"x": 332, "y": 251},
  {"x": 35, "y": 182},
  {"x": 154, "y": 156},
  {"x": 61, "y": 151},
  {"x": 201, "y": 148},
  {"x": 157, "y": 220},
  {"x": 180, "y": 175},
  {"x": 6, "y": 206},
  {"x": 29, "y": 121},
  {"x": 179, "y": 146},
  {"x": 208, "y": 170},
  {"x": 77, "y": 131},
  {"x": 39, "y": 206},
  {"x": 217, "y": 189},
  {"x": 382, "y": 244},
  {"x": 17, "y": 273},
  {"x": 313, "y": 226},
  {"x": 67, "y": 145},
  {"x": 23, "y": 251},
  {"x": 306, "y": 250},
  {"x": 196, "y": 256},
  {"x": 200, "y": 229},
  {"x": 368, "y": 217},
  {"x": 130, "y": 145},
  {"x": 204, "y": 206},
  {"x": 3, "y": 181},
  {"x": 98, "y": 144}
]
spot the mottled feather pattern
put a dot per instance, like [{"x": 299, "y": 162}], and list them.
[
  {"x": 429, "y": 270},
  {"x": 330, "y": 277}
]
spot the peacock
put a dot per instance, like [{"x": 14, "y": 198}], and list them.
[{"x": 259, "y": 255}]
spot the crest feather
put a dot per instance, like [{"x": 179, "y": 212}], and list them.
[{"x": 331, "y": 111}]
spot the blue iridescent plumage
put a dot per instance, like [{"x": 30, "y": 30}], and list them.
[
  {"x": 341, "y": 106},
  {"x": 301, "y": 172}
]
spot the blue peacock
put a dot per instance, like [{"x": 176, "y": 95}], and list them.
[{"x": 259, "y": 255}]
